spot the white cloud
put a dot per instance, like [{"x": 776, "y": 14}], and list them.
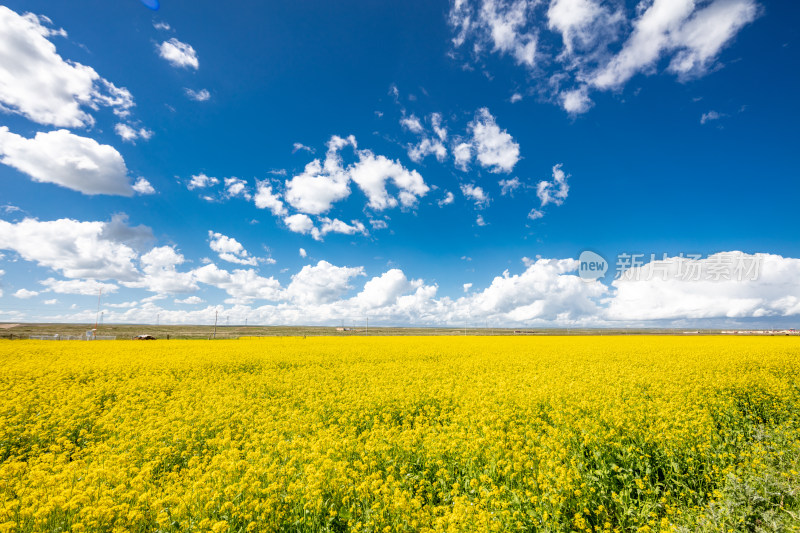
[
  {"x": 371, "y": 173},
  {"x": 201, "y": 181},
  {"x": 297, "y": 147},
  {"x": 266, "y": 199},
  {"x": 438, "y": 128},
  {"x": 695, "y": 35},
  {"x": 303, "y": 252},
  {"x": 160, "y": 273},
  {"x": 546, "y": 292},
  {"x": 602, "y": 44},
  {"x": 40, "y": 85},
  {"x": 576, "y": 101},
  {"x": 229, "y": 249},
  {"x": 385, "y": 289},
  {"x": 198, "y": 96},
  {"x": 516, "y": 97},
  {"x": 556, "y": 191},
  {"x": 178, "y": 54},
  {"x": 535, "y": 214},
  {"x": 475, "y": 193},
  {"x": 321, "y": 284},
  {"x": 710, "y": 116},
  {"x": 700, "y": 40},
  {"x": 322, "y": 184},
  {"x": 25, "y": 294},
  {"x": 142, "y": 186},
  {"x": 60, "y": 157},
  {"x": 495, "y": 148},
  {"x": 507, "y": 187},
  {"x": 412, "y": 124},
  {"x": 462, "y": 153},
  {"x": 499, "y": 24},
  {"x": 719, "y": 285},
  {"x": 236, "y": 187},
  {"x": 241, "y": 285},
  {"x": 299, "y": 223},
  {"x": 480, "y": 221},
  {"x": 378, "y": 224},
  {"x": 76, "y": 249},
  {"x": 162, "y": 26},
  {"x": 448, "y": 199},
  {"x": 52, "y": 301},
  {"x": 583, "y": 24},
  {"x": 191, "y": 300},
  {"x": 130, "y": 134},
  {"x": 337, "y": 226},
  {"x": 425, "y": 147},
  {"x": 78, "y": 286}
]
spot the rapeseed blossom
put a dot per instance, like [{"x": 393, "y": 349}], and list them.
[{"x": 388, "y": 434}]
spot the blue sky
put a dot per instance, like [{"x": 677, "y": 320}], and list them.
[{"x": 466, "y": 154}]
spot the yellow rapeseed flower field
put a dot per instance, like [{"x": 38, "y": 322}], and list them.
[{"x": 397, "y": 434}]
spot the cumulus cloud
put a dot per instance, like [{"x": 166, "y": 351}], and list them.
[
  {"x": 546, "y": 292},
  {"x": 142, "y": 186},
  {"x": 25, "y": 294},
  {"x": 241, "y": 285},
  {"x": 40, "y": 85},
  {"x": 160, "y": 274},
  {"x": 178, "y": 54},
  {"x": 462, "y": 154},
  {"x": 66, "y": 159},
  {"x": 130, "y": 134},
  {"x": 412, "y": 124},
  {"x": 722, "y": 285},
  {"x": 576, "y": 101},
  {"x": 299, "y": 223},
  {"x": 78, "y": 286},
  {"x": 337, "y": 226},
  {"x": 448, "y": 199},
  {"x": 555, "y": 191},
  {"x": 602, "y": 44},
  {"x": 498, "y": 25},
  {"x": 201, "y": 181},
  {"x": 322, "y": 184},
  {"x": 384, "y": 290},
  {"x": 535, "y": 214},
  {"x": 75, "y": 249},
  {"x": 229, "y": 249},
  {"x": 426, "y": 147},
  {"x": 198, "y": 96},
  {"x": 321, "y": 283},
  {"x": 265, "y": 198},
  {"x": 475, "y": 193},
  {"x": 303, "y": 252},
  {"x": 507, "y": 187},
  {"x": 190, "y": 300},
  {"x": 372, "y": 173},
  {"x": 236, "y": 187},
  {"x": 297, "y": 147},
  {"x": 710, "y": 116},
  {"x": 495, "y": 148}
]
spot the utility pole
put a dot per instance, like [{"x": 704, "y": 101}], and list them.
[
  {"x": 158, "y": 318},
  {"x": 97, "y": 317},
  {"x": 216, "y": 314},
  {"x": 367, "y": 326}
]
